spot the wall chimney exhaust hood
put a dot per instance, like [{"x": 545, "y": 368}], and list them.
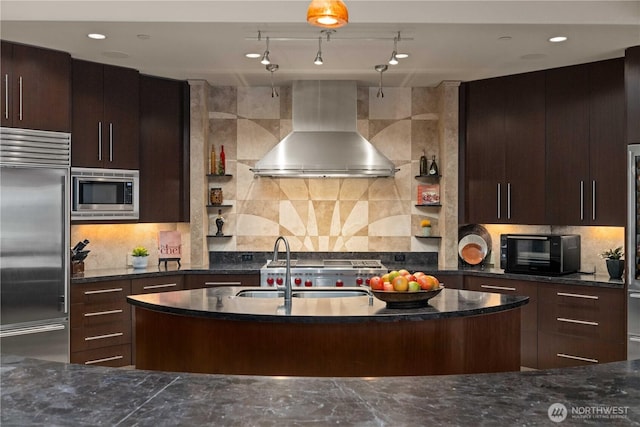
[{"x": 324, "y": 141}]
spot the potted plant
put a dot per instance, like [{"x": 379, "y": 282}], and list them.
[
  {"x": 426, "y": 227},
  {"x": 140, "y": 257},
  {"x": 615, "y": 263}
]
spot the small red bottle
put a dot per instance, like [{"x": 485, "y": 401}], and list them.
[{"x": 221, "y": 161}]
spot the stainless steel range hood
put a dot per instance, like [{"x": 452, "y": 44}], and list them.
[{"x": 325, "y": 141}]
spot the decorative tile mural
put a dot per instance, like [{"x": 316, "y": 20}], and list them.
[{"x": 351, "y": 215}]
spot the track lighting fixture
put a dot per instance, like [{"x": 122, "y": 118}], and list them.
[
  {"x": 394, "y": 59},
  {"x": 381, "y": 69},
  {"x": 327, "y": 13},
  {"x": 272, "y": 68},
  {"x": 265, "y": 56},
  {"x": 318, "y": 60}
]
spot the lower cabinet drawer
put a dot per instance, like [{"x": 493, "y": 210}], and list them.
[
  {"x": 114, "y": 356},
  {"x": 101, "y": 335},
  {"x": 558, "y": 351}
]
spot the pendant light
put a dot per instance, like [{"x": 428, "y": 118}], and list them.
[
  {"x": 318, "y": 60},
  {"x": 394, "y": 59},
  {"x": 272, "y": 68},
  {"x": 327, "y": 13},
  {"x": 265, "y": 56},
  {"x": 381, "y": 69}
]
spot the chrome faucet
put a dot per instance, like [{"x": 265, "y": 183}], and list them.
[{"x": 287, "y": 276}]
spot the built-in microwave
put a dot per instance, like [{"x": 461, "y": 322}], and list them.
[
  {"x": 104, "y": 194},
  {"x": 549, "y": 254}
]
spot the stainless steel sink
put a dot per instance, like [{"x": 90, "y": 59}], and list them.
[{"x": 304, "y": 293}]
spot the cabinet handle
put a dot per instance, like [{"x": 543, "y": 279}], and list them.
[
  {"x": 6, "y": 96},
  {"x": 500, "y": 288},
  {"x": 498, "y": 200},
  {"x": 580, "y": 322},
  {"x": 593, "y": 200},
  {"x": 223, "y": 283},
  {"x": 508, "y": 200},
  {"x": 565, "y": 294},
  {"x": 634, "y": 295},
  {"x": 106, "y": 359},
  {"x": 168, "y": 285},
  {"x": 103, "y": 291},
  {"x": 20, "y": 114},
  {"x": 100, "y": 141},
  {"x": 101, "y": 337},
  {"x": 584, "y": 359},
  {"x": 111, "y": 142},
  {"x": 102, "y": 313},
  {"x": 581, "y": 200}
]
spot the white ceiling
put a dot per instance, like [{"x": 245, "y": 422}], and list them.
[{"x": 446, "y": 40}]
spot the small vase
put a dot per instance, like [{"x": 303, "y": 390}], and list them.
[
  {"x": 426, "y": 231},
  {"x": 615, "y": 267},
  {"x": 139, "y": 261}
]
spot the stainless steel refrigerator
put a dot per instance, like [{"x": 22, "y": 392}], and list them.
[
  {"x": 34, "y": 243},
  {"x": 633, "y": 253}
]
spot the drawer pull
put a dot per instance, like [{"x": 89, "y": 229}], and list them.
[
  {"x": 580, "y": 322},
  {"x": 223, "y": 283},
  {"x": 101, "y": 337},
  {"x": 500, "y": 288},
  {"x": 102, "y": 313},
  {"x": 634, "y": 295},
  {"x": 168, "y": 285},
  {"x": 584, "y": 359},
  {"x": 103, "y": 291},
  {"x": 106, "y": 359},
  {"x": 565, "y": 294},
  {"x": 634, "y": 339}
]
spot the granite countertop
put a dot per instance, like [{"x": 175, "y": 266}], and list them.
[
  {"x": 37, "y": 392},
  {"x": 222, "y": 303}
]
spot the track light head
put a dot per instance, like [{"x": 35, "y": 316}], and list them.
[{"x": 394, "y": 58}]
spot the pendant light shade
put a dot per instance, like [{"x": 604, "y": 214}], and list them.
[{"x": 327, "y": 13}]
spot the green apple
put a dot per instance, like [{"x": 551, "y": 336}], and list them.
[{"x": 414, "y": 286}]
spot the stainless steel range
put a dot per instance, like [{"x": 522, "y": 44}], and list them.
[{"x": 328, "y": 272}]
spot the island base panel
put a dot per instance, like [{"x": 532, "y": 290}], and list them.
[{"x": 474, "y": 344}]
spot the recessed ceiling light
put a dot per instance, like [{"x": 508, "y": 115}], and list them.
[
  {"x": 253, "y": 55},
  {"x": 143, "y": 36},
  {"x": 402, "y": 55},
  {"x": 558, "y": 39},
  {"x": 504, "y": 38},
  {"x": 96, "y": 36}
]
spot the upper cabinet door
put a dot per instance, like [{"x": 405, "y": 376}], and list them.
[
  {"x": 632, "y": 89},
  {"x": 567, "y": 145},
  {"x": 607, "y": 145},
  {"x": 36, "y": 88},
  {"x": 484, "y": 152},
  {"x": 105, "y": 116}
]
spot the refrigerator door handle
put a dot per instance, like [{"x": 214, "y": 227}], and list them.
[{"x": 32, "y": 330}]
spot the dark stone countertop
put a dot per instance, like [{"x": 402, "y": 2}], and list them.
[
  {"x": 44, "y": 393},
  {"x": 222, "y": 303}
]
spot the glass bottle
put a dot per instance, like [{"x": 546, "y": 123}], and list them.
[
  {"x": 433, "y": 169},
  {"x": 212, "y": 160},
  {"x": 423, "y": 164},
  {"x": 222, "y": 161}
]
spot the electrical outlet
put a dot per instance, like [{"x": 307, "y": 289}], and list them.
[
  {"x": 247, "y": 257},
  {"x": 399, "y": 257}
]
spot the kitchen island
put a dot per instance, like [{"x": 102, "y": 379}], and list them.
[
  {"x": 216, "y": 331},
  {"x": 36, "y": 392}
]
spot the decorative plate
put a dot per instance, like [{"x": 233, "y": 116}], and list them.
[{"x": 414, "y": 299}]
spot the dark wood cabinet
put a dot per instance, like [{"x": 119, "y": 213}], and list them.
[
  {"x": 632, "y": 92},
  {"x": 585, "y": 147},
  {"x": 164, "y": 150},
  {"x": 198, "y": 281},
  {"x": 105, "y": 116},
  {"x": 529, "y": 312},
  {"x": 36, "y": 88},
  {"x": 580, "y": 325},
  {"x": 504, "y": 150},
  {"x": 100, "y": 319}
]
